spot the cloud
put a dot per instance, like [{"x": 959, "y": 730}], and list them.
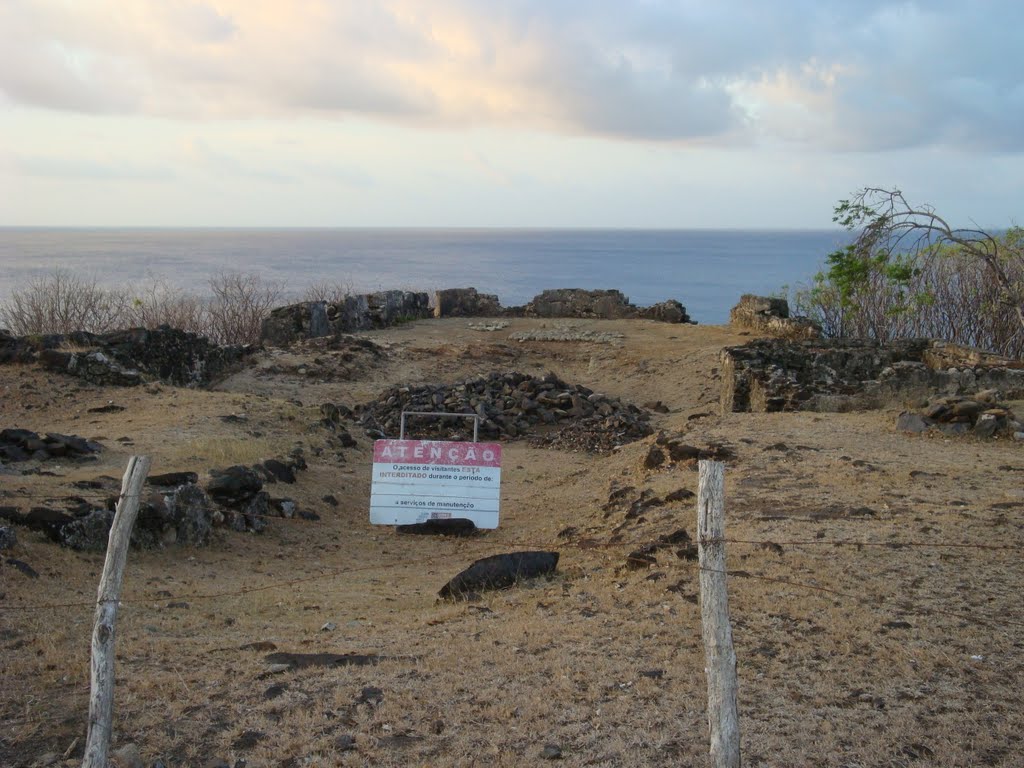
[
  {"x": 63, "y": 167},
  {"x": 829, "y": 74}
]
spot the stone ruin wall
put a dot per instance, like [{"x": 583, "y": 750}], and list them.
[{"x": 830, "y": 375}]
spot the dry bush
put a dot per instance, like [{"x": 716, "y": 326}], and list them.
[
  {"x": 159, "y": 303},
  {"x": 62, "y": 302},
  {"x": 945, "y": 294},
  {"x": 330, "y": 291},
  {"x": 240, "y": 303}
]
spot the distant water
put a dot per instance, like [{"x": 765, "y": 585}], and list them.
[{"x": 706, "y": 270}]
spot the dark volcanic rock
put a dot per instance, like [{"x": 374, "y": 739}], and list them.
[
  {"x": 512, "y": 405},
  {"x": 18, "y": 445},
  {"x": 173, "y": 479},
  {"x": 499, "y": 571},
  {"x": 235, "y": 486},
  {"x": 455, "y": 526},
  {"x": 191, "y": 514}
]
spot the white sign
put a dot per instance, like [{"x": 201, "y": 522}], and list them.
[{"x": 419, "y": 480}]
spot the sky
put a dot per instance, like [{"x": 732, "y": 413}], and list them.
[{"x": 506, "y": 113}]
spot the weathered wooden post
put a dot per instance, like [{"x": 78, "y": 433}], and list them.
[
  {"x": 720, "y": 658},
  {"x": 101, "y": 691}
]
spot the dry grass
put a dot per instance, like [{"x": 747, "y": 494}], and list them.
[
  {"x": 826, "y": 678},
  {"x": 220, "y": 451}
]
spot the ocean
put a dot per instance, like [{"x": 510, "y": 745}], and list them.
[{"x": 706, "y": 270}]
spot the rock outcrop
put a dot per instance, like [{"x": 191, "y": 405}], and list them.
[{"x": 770, "y": 375}]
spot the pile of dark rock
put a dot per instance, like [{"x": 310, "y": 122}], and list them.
[
  {"x": 125, "y": 358},
  {"x": 17, "y": 445},
  {"x": 981, "y": 414},
  {"x": 315, "y": 319},
  {"x": 245, "y": 505},
  {"x": 770, "y": 316},
  {"x": 770, "y": 375},
  {"x": 510, "y": 405},
  {"x": 174, "y": 509}
]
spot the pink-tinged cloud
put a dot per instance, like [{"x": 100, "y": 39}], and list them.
[{"x": 830, "y": 73}]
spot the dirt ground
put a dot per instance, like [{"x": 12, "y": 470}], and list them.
[{"x": 875, "y": 581}]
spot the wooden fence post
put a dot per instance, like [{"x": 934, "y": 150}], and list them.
[
  {"x": 101, "y": 690},
  {"x": 720, "y": 658}
]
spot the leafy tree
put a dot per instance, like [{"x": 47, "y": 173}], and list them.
[{"x": 894, "y": 238}]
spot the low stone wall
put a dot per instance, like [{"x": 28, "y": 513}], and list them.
[
  {"x": 770, "y": 375},
  {"x": 125, "y": 358},
  {"x": 601, "y": 304},
  {"x": 466, "y": 302},
  {"x": 313, "y": 319}
]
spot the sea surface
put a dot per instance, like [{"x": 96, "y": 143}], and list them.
[{"x": 706, "y": 270}]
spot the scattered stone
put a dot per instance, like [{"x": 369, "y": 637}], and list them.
[
  {"x": 279, "y": 470},
  {"x": 248, "y": 739},
  {"x": 370, "y": 695},
  {"x": 567, "y": 333},
  {"x": 235, "y": 486},
  {"x": 275, "y": 690},
  {"x": 497, "y": 325},
  {"x": 499, "y": 572},
  {"x": 8, "y": 539},
  {"x": 126, "y": 757},
  {"x": 912, "y": 423},
  {"x": 453, "y": 526},
  {"x": 345, "y": 743},
  {"x": 25, "y": 568},
  {"x": 17, "y": 445},
  {"x": 331, "y": 499},
  {"x": 108, "y": 408},
  {"x": 551, "y": 752},
  {"x": 303, "y": 660},
  {"x": 173, "y": 479},
  {"x": 655, "y": 457},
  {"x": 190, "y": 515},
  {"x": 329, "y": 626}
]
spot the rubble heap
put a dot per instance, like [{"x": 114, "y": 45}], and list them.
[
  {"x": 981, "y": 414},
  {"x": 511, "y": 405}
]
